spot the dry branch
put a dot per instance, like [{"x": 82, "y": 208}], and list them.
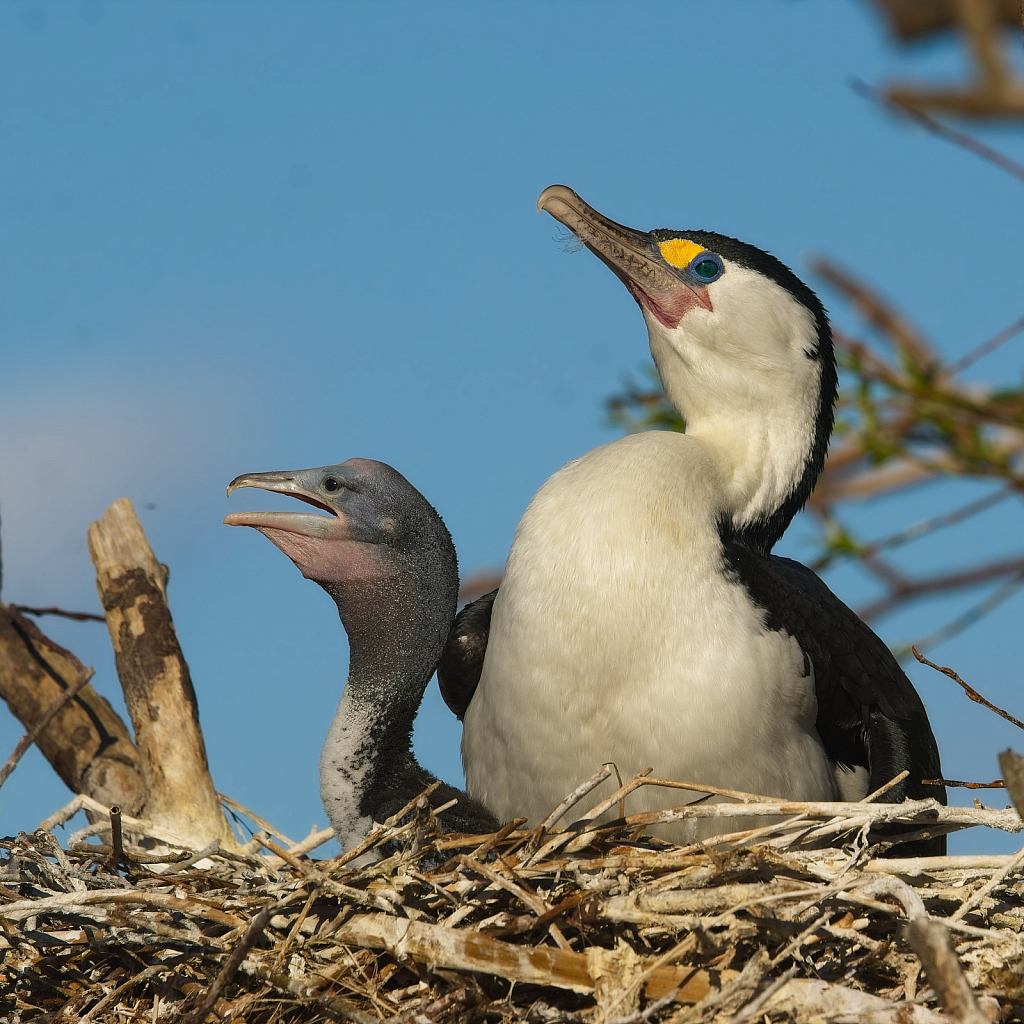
[
  {"x": 995, "y": 90},
  {"x": 231, "y": 965},
  {"x": 158, "y": 692},
  {"x": 30, "y": 737},
  {"x": 456, "y": 950},
  {"x": 87, "y": 744},
  {"x": 969, "y": 690},
  {"x": 61, "y": 612},
  {"x": 1012, "y": 767},
  {"x": 933, "y": 945},
  {"x": 807, "y": 999}
]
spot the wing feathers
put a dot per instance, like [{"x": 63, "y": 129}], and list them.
[{"x": 458, "y": 672}]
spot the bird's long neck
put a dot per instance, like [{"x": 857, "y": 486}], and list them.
[
  {"x": 396, "y": 629},
  {"x": 768, "y": 439},
  {"x": 394, "y": 648},
  {"x": 758, "y": 386},
  {"x": 768, "y": 467}
]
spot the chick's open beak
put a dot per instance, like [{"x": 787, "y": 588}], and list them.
[{"x": 331, "y": 526}]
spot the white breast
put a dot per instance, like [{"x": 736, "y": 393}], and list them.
[
  {"x": 618, "y": 635},
  {"x": 345, "y": 763}
]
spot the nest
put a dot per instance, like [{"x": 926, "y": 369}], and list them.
[{"x": 593, "y": 923}]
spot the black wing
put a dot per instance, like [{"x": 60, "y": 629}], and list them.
[
  {"x": 869, "y": 714},
  {"x": 458, "y": 672}
]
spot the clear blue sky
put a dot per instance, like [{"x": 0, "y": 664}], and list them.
[{"x": 254, "y": 236}]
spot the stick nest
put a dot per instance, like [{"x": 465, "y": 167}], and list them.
[{"x": 591, "y": 923}]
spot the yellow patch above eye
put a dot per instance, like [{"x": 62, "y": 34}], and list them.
[{"x": 679, "y": 251}]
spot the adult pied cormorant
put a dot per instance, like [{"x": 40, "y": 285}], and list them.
[
  {"x": 642, "y": 618},
  {"x": 386, "y": 558}
]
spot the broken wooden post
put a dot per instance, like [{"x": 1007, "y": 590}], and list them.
[
  {"x": 87, "y": 744},
  {"x": 180, "y": 795},
  {"x": 1012, "y": 767}
]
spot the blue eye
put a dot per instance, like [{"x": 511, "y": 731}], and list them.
[{"x": 706, "y": 267}]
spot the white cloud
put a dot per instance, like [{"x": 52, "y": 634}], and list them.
[{"x": 70, "y": 448}]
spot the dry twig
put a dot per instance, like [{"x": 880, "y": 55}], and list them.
[
  {"x": 33, "y": 734},
  {"x": 970, "y": 691}
]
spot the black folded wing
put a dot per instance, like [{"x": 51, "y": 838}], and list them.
[
  {"x": 458, "y": 672},
  {"x": 869, "y": 714}
]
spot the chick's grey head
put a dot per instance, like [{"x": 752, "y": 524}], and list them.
[{"x": 376, "y": 545}]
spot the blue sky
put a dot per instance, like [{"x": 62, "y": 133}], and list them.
[{"x": 252, "y": 236}]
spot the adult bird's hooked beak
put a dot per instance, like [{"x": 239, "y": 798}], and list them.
[{"x": 633, "y": 256}]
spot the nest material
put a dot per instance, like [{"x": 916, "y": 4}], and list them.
[{"x": 592, "y": 923}]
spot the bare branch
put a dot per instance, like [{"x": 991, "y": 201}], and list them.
[
  {"x": 939, "y": 522},
  {"x": 87, "y": 743},
  {"x": 976, "y": 353},
  {"x": 970, "y": 691},
  {"x": 77, "y": 616},
  {"x": 932, "y": 943},
  {"x": 942, "y": 582},
  {"x": 967, "y": 618},
  {"x": 901, "y": 106},
  {"x": 158, "y": 690},
  {"x": 230, "y": 968},
  {"x": 34, "y": 733},
  {"x": 896, "y": 328},
  {"x": 956, "y": 784}
]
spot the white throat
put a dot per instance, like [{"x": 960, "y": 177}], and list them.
[
  {"x": 746, "y": 379},
  {"x": 762, "y": 459}
]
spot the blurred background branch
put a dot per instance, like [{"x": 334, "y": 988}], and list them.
[{"x": 995, "y": 91}]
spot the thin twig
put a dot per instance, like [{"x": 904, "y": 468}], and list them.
[
  {"x": 970, "y": 691},
  {"x": 967, "y": 618},
  {"x": 111, "y": 997},
  {"x": 312, "y": 841},
  {"x": 984, "y": 348},
  {"x": 64, "y": 613},
  {"x": 576, "y": 795},
  {"x": 929, "y": 123},
  {"x": 996, "y": 880},
  {"x": 882, "y": 790},
  {"x": 930, "y": 525},
  {"x": 32, "y": 735},
  {"x": 231, "y": 965},
  {"x": 932, "y": 943},
  {"x": 878, "y": 313},
  {"x": 116, "y": 842},
  {"x": 72, "y": 903},
  {"x": 755, "y": 1006},
  {"x": 956, "y": 784},
  {"x": 254, "y": 817},
  {"x": 379, "y": 831},
  {"x": 941, "y": 582}
]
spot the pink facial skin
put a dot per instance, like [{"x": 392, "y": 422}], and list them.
[
  {"x": 626, "y": 252},
  {"x": 312, "y": 543},
  {"x": 670, "y": 307}
]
